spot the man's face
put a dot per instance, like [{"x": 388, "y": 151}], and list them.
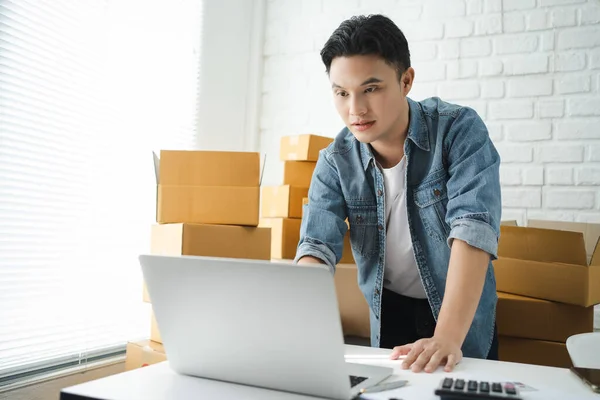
[{"x": 368, "y": 96}]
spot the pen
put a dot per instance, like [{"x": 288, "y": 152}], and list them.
[{"x": 384, "y": 386}]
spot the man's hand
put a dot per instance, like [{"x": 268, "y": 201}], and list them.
[
  {"x": 464, "y": 284},
  {"x": 428, "y": 354}
]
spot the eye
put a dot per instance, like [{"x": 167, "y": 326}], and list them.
[
  {"x": 341, "y": 94},
  {"x": 371, "y": 89}
]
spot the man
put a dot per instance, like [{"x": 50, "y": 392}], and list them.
[{"x": 418, "y": 183}]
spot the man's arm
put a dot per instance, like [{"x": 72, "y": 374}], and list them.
[
  {"x": 464, "y": 284},
  {"x": 323, "y": 227},
  {"x": 310, "y": 260},
  {"x": 473, "y": 212}
]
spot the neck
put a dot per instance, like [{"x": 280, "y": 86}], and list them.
[{"x": 389, "y": 149}]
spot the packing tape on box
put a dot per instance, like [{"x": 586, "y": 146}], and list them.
[
  {"x": 294, "y": 140},
  {"x": 292, "y": 156}
]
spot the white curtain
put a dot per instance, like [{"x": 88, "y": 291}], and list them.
[{"x": 88, "y": 88}]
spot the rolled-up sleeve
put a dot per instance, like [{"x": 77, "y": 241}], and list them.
[
  {"x": 476, "y": 233},
  {"x": 474, "y": 195},
  {"x": 323, "y": 228}
]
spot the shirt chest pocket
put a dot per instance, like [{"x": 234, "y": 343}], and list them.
[
  {"x": 364, "y": 232},
  {"x": 432, "y": 201}
]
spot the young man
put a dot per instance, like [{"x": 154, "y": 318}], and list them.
[{"x": 418, "y": 183}]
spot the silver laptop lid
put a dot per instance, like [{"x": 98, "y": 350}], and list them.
[{"x": 259, "y": 323}]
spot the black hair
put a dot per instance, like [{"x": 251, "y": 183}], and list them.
[{"x": 368, "y": 35}]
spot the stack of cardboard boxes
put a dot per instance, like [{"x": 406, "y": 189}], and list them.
[
  {"x": 207, "y": 205},
  {"x": 548, "y": 279},
  {"x": 281, "y": 207}
]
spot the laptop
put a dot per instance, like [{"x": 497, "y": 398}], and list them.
[{"x": 259, "y": 323}]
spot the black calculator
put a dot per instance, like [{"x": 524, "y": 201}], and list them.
[{"x": 457, "y": 389}]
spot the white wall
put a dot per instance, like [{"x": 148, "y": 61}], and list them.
[{"x": 531, "y": 68}]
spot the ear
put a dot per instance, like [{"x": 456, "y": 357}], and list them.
[{"x": 408, "y": 77}]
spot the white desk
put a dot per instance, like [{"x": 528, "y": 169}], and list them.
[{"x": 158, "y": 382}]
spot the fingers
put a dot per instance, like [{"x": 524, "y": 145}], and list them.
[
  {"x": 434, "y": 361},
  {"x": 424, "y": 358},
  {"x": 451, "y": 363},
  {"x": 399, "y": 351},
  {"x": 412, "y": 355}
]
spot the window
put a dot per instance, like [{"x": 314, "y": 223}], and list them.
[{"x": 88, "y": 89}]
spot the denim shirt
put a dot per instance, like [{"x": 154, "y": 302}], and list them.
[{"x": 452, "y": 191}]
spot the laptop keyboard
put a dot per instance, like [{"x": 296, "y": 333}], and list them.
[{"x": 355, "y": 380}]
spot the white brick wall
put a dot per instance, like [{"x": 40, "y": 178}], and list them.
[{"x": 531, "y": 68}]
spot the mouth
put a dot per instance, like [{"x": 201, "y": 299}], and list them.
[{"x": 362, "y": 126}]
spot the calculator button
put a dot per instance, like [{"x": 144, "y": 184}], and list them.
[
  {"x": 459, "y": 384},
  {"x": 447, "y": 383},
  {"x": 472, "y": 386},
  {"x": 496, "y": 387},
  {"x": 484, "y": 387},
  {"x": 510, "y": 389}
]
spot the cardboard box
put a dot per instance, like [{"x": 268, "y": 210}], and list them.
[
  {"x": 227, "y": 205},
  {"x": 298, "y": 173},
  {"x": 209, "y": 168},
  {"x": 154, "y": 332},
  {"x": 210, "y": 187},
  {"x": 144, "y": 353},
  {"x": 530, "y": 351},
  {"x": 531, "y": 318},
  {"x": 354, "y": 310},
  {"x": 285, "y": 235},
  {"x": 302, "y": 147},
  {"x": 210, "y": 241},
  {"x": 282, "y": 201},
  {"x": 591, "y": 232},
  {"x": 548, "y": 264}
]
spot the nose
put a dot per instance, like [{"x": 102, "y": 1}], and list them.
[{"x": 358, "y": 106}]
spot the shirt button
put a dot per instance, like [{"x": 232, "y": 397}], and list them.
[
  {"x": 379, "y": 192},
  {"x": 437, "y": 192},
  {"x": 380, "y": 227},
  {"x": 377, "y": 292}
]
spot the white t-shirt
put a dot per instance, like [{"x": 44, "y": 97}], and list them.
[{"x": 401, "y": 273}]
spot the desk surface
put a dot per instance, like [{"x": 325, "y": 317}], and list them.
[{"x": 160, "y": 382}]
